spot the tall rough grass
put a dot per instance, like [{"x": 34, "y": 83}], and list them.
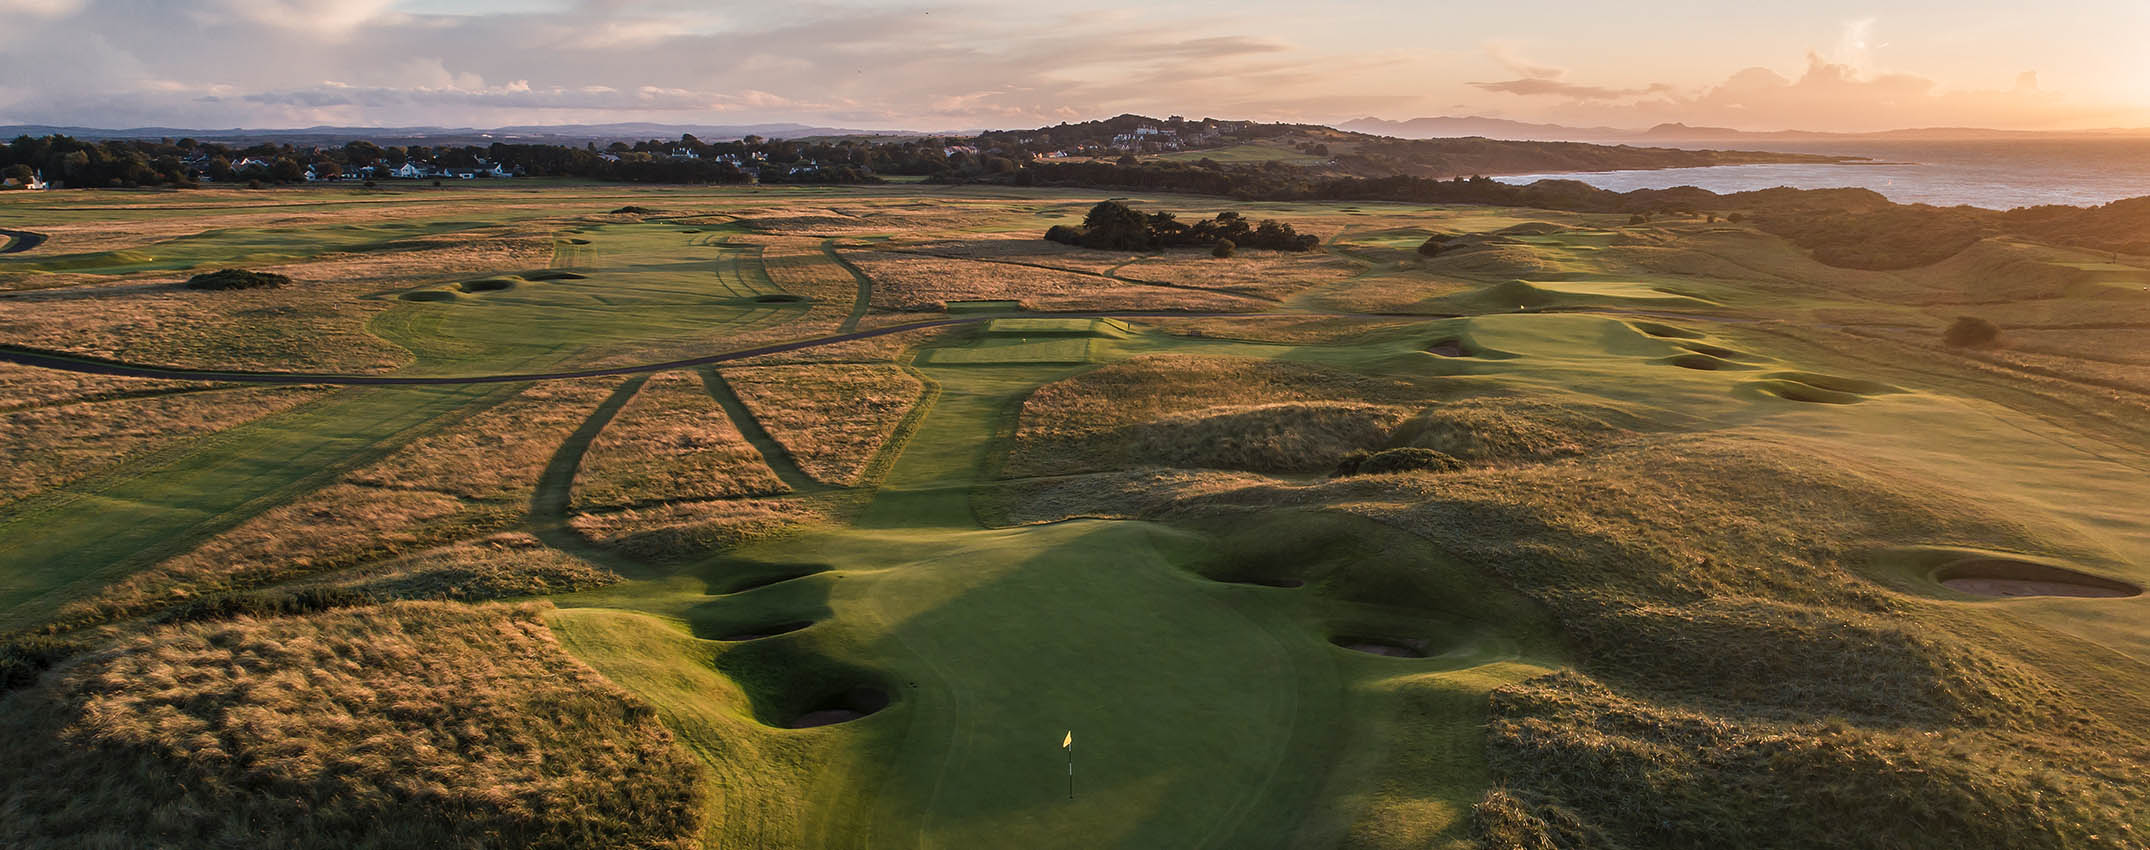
[{"x": 405, "y": 725}]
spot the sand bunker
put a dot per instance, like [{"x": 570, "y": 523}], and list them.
[
  {"x": 428, "y": 295},
  {"x": 1666, "y": 331},
  {"x": 491, "y": 284},
  {"x": 1719, "y": 352},
  {"x": 1391, "y": 648},
  {"x": 779, "y": 298},
  {"x": 1449, "y": 348},
  {"x": 557, "y": 276},
  {"x": 2003, "y": 577},
  {"x": 843, "y": 708},
  {"x": 771, "y": 630},
  {"x": 1701, "y": 362}
]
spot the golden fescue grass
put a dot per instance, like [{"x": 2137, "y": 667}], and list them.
[
  {"x": 672, "y": 442},
  {"x": 471, "y": 478},
  {"x": 307, "y": 327},
  {"x": 428, "y": 257},
  {"x": 1021, "y": 249},
  {"x": 316, "y": 324},
  {"x": 1287, "y": 330},
  {"x": 336, "y": 527},
  {"x": 28, "y": 386},
  {"x": 800, "y": 267},
  {"x": 1221, "y": 411},
  {"x": 71, "y": 426},
  {"x": 404, "y": 725},
  {"x": 499, "y": 453},
  {"x": 831, "y": 418},
  {"x": 911, "y": 282},
  {"x": 1746, "y": 686},
  {"x": 888, "y": 348},
  {"x": 681, "y": 530},
  {"x": 1268, "y": 274},
  {"x": 1394, "y": 293},
  {"x": 503, "y": 565}
]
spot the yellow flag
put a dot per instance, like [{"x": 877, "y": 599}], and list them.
[{"x": 1068, "y": 741}]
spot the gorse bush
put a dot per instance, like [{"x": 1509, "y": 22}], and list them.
[
  {"x": 237, "y": 279},
  {"x": 266, "y": 603},
  {"x": 1114, "y": 226},
  {"x": 23, "y": 657},
  {"x": 1386, "y": 461},
  {"x": 1971, "y": 332}
]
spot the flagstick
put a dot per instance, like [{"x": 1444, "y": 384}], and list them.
[{"x": 1071, "y": 767}]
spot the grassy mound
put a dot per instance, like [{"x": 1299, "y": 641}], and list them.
[
  {"x": 227, "y": 279},
  {"x": 1389, "y": 461},
  {"x": 1288, "y": 437},
  {"x": 408, "y": 725},
  {"x": 1502, "y": 428}
]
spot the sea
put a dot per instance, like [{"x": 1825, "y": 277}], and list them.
[{"x": 1996, "y": 174}]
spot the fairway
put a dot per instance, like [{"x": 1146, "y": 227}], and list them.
[{"x": 839, "y": 507}]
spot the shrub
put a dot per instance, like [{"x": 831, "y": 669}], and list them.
[
  {"x": 1387, "y": 461},
  {"x": 1638, "y": 218},
  {"x": 237, "y": 279},
  {"x": 266, "y": 603},
  {"x": 23, "y": 658},
  {"x": 633, "y": 210},
  {"x": 1434, "y": 245},
  {"x": 1224, "y": 249},
  {"x": 1971, "y": 332}
]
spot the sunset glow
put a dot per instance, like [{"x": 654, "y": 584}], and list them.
[{"x": 1825, "y": 66}]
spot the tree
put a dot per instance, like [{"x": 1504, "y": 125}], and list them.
[
  {"x": 1115, "y": 226},
  {"x": 1223, "y": 250}
]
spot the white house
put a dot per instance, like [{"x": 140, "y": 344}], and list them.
[
  {"x": 685, "y": 153},
  {"x": 408, "y": 171}
]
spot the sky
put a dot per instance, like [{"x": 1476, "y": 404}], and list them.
[{"x": 1816, "y": 65}]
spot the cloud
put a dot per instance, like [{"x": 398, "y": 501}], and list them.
[
  {"x": 1537, "y": 79},
  {"x": 1826, "y": 95},
  {"x": 1529, "y": 86}
]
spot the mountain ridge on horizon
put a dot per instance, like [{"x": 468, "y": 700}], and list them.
[{"x": 1443, "y": 125}]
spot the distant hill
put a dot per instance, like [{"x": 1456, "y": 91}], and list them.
[
  {"x": 559, "y": 134},
  {"x": 1491, "y": 128},
  {"x": 1500, "y": 128}
]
